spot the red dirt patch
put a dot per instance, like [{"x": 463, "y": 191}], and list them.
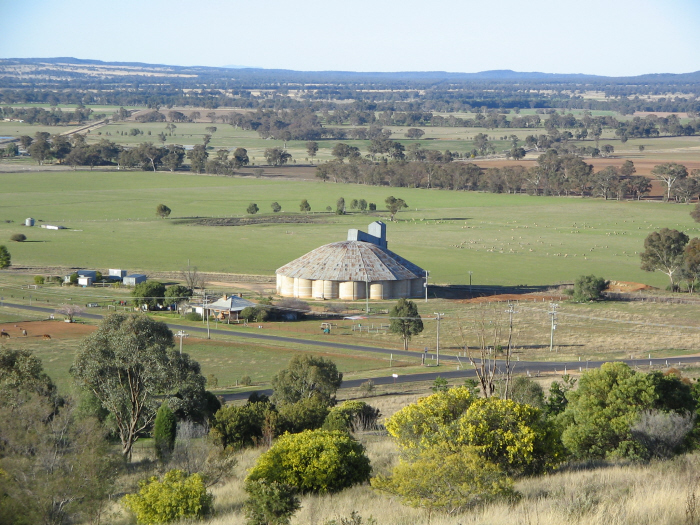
[
  {"x": 502, "y": 298},
  {"x": 55, "y": 329},
  {"x": 627, "y": 287}
]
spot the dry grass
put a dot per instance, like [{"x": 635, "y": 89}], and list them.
[{"x": 624, "y": 494}]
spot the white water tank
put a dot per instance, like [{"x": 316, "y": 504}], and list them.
[{"x": 29, "y": 222}]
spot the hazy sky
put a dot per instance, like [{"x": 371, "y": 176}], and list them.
[{"x": 605, "y": 37}]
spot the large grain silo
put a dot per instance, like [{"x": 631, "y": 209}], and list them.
[{"x": 351, "y": 269}]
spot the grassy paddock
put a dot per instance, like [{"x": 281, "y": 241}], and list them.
[{"x": 503, "y": 239}]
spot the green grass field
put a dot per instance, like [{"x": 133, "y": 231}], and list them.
[{"x": 503, "y": 239}]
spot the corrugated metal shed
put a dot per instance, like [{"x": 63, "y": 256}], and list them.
[{"x": 351, "y": 261}]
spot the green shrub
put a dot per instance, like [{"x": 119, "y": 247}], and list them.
[
  {"x": 164, "y": 432},
  {"x": 270, "y": 503},
  {"x": 307, "y": 414},
  {"x": 317, "y": 461},
  {"x": 588, "y": 288},
  {"x": 193, "y": 316},
  {"x": 236, "y": 427},
  {"x": 18, "y": 237},
  {"x": 246, "y": 380},
  {"x": 39, "y": 279},
  {"x": 177, "y": 497},
  {"x": 352, "y": 416},
  {"x": 446, "y": 479}
]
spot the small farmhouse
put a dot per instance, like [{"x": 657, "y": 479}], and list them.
[{"x": 226, "y": 309}]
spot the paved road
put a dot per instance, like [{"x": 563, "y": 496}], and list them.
[{"x": 530, "y": 367}]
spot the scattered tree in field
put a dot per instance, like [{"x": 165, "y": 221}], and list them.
[
  {"x": 40, "y": 150},
  {"x": 210, "y": 129},
  {"x": 164, "y": 432},
  {"x": 342, "y": 151},
  {"x": 5, "y": 257},
  {"x": 362, "y": 204},
  {"x": 70, "y": 311},
  {"x": 641, "y": 148},
  {"x": 177, "y": 497},
  {"x": 240, "y": 157},
  {"x": 149, "y": 293},
  {"x": 305, "y": 377},
  {"x": 588, "y": 288},
  {"x": 394, "y": 205},
  {"x": 305, "y": 206},
  {"x": 39, "y": 279},
  {"x": 18, "y": 237},
  {"x": 669, "y": 173},
  {"x": 130, "y": 365},
  {"x": 340, "y": 206},
  {"x": 627, "y": 169},
  {"x": 277, "y": 156},
  {"x": 414, "y": 133},
  {"x": 252, "y": 208},
  {"x": 405, "y": 321},
  {"x": 517, "y": 153},
  {"x": 312, "y": 149},
  {"x": 276, "y": 208},
  {"x": 163, "y": 211},
  {"x": 663, "y": 252},
  {"x": 198, "y": 158},
  {"x": 314, "y": 461}
]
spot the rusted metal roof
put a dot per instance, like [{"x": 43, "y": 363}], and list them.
[{"x": 351, "y": 261}]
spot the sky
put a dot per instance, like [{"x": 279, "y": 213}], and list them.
[{"x": 602, "y": 37}]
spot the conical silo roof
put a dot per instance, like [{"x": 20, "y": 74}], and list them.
[{"x": 351, "y": 261}]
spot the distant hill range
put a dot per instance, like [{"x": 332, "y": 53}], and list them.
[{"x": 69, "y": 67}]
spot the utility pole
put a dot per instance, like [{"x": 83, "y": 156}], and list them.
[
  {"x": 181, "y": 334},
  {"x": 425, "y": 285},
  {"x": 470, "y": 283},
  {"x": 553, "y": 314},
  {"x": 206, "y": 311},
  {"x": 438, "y": 316}
]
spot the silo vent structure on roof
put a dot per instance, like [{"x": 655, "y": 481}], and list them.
[{"x": 349, "y": 270}]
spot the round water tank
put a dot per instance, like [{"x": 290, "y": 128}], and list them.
[{"x": 29, "y": 222}]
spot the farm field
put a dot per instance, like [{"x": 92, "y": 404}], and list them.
[{"x": 505, "y": 240}]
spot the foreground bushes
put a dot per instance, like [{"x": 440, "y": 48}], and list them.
[
  {"x": 176, "y": 497},
  {"x": 314, "y": 461}
]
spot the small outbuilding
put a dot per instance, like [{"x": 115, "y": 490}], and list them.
[
  {"x": 134, "y": 279},
  {"x": 84, "y": 280},
  {"x": 117, "y": 274},
  {"x": 354, "y": 269}
]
